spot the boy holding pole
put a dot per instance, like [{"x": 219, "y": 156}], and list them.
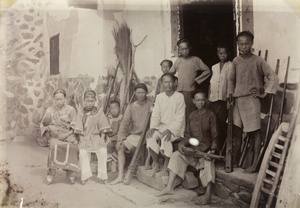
[{"x": 246, "y": 83}]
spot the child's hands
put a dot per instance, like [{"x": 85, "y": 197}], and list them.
[
  {"x": 53, "y": 130},
  {"x": 63, "y": 136}
]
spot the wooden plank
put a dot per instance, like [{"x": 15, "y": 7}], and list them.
[
  {"x": 278, "y": 146},
  {"x": 279, "y": 170},
  {"x": 271, "y": 173},
  {"x": 282, "y": 138},
  {"x": 277, "y": 155},
  {"x": 274, "y": 164},
  {"x": 266, "y": 191},
  {"x": 262, "y": 172},
  {"x": 268, "y": 181}
]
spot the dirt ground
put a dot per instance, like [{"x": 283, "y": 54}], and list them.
[{"x": 23, "y": 171}]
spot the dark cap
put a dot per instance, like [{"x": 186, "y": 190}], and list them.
[
  {"x": 89, "y": 93},
  {"x": 142, "y": 86},
  {"x": 183, "y": 40}
]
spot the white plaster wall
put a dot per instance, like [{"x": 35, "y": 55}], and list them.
[
  {"x": 87, "y": 47},
  {"x": 277, "y": 28},
  {"x": 153, "y": 20},
  {"x": 81, "y": 39}
]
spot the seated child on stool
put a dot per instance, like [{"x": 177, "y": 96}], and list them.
[
  {"x": 91, "y": 126},
  {"x": 114, "y": 119}
]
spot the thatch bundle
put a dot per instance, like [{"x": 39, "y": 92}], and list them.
[{"x": 123, "y": 51}]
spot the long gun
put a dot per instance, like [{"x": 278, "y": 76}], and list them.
[
  {"x": 133, "y": 163},
  {"x": 229, "y": 145},
  {"x": 267, "y": 136},
  {"x": 248, "y": 141},
  {"x": 212, "y": 156},
  {"x": 283, "y": 94}
]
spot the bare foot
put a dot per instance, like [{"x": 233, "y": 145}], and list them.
[
  {"x": 165, "y": 191},
  {"x": 164, "y": 172},
  {"x": 154, "y": 170},
  {"x": 117, "y": 180},
  {"x": 200, "y": 191},
  {"x": 249, "y": 170},
  {"x": 148, "y": 167},
  {"x": 204, "y": 199}
]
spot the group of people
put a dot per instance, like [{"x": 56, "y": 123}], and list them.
[
  {"x": 180, "y": 113},
  {"x": 72, "y": 137}
]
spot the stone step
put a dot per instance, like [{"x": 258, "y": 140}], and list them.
[
  {"x": 157, "y": 181},
  {"x": 237, "y": 177}
]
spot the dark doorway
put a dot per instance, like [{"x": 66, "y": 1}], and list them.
[
  {"x": 54, "y": 55},
  {"x": 207, "y": 24}
]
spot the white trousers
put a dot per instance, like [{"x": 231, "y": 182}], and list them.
[
  {"x": 166, "y": 146},
  {"x": 85, "y": 159}
]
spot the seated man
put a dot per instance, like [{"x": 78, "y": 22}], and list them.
[
  {"x": 201, "y": 125},
  {"x": 132, "y": 127},
  {"x": 167, "y": 123}
]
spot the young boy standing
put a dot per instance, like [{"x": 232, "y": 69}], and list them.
[
  {"x": 246, "y": 83},
  {"x": 218, "y": 91},
  {"x": 187, "y": 67}
]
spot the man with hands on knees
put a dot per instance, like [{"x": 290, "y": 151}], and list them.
[
  {"x": 201, "y": 126},
  {"x": 167, "y": 124},
  {"x": 131, "y": 128}
]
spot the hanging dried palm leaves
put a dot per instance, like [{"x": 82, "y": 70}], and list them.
[{"x": 125, "y": 52}]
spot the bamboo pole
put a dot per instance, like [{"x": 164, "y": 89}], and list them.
[{"x": 283, "y": 93}]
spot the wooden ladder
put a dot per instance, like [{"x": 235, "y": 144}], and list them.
[{"x": 271, "y": 170}]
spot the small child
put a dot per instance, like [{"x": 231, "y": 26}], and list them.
[
  {"x": 187, "y": 67},
  {"x": 114, "y": 119},
  {"x": 92, "y": 126},
  {"x": 218, "y": 90},
  {"x": 246, "y": 83},
  {"x": 165, "y": 68}
]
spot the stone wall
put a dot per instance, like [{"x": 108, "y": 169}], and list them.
[
  {"x": 29, "y": 86},
  {"x": 25, "y": 64}
]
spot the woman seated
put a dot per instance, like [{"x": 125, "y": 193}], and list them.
[{"x": 57, "y": 127}]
